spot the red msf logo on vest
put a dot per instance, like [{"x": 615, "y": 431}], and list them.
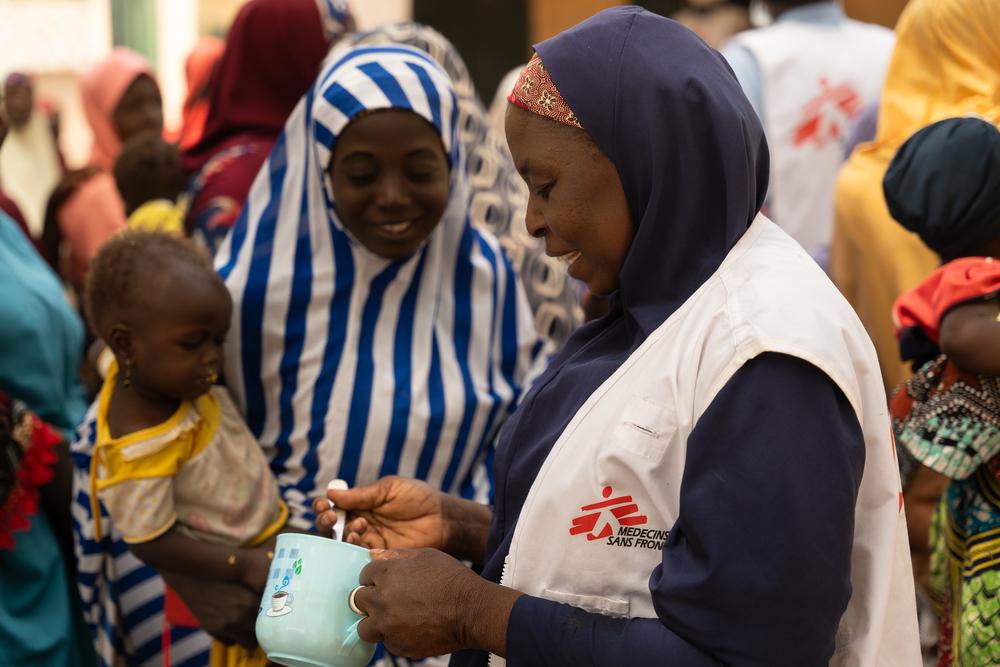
[
  {"x": 621, "y": 509},
  {"x": 827, "y": 116},
  {"x": 617, "y": 520}
]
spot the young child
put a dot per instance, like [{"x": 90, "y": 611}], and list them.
[
  {"x": 150, "y": 178},
  {"x": 944, "y": 184},
  {"x": 183, "y": 479}
]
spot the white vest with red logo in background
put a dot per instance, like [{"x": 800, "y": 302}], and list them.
[
  {"x": 593, "y": 524},
  {"x": 816, "y": 78}
]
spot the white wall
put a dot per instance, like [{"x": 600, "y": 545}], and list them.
[
  {"x": 55, "y": 40},
  {"x": 176, "y": 35},
  {"x": 371, "y": 13},
  {"x": 54, "y": 35}
]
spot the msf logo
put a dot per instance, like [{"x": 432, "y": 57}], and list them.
[
  {"x": 597, "y": 518},
  {"x": 827, "y": 116}
]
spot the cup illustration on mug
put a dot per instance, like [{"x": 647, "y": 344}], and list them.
[
  {"x": 280, "y": 604},
  {"x": 283, "y": 572}
]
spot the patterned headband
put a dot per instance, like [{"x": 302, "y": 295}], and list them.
[{"x": 535, "y": 92}]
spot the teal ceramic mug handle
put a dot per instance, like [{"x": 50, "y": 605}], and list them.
[{"x": 353, "y": 638}]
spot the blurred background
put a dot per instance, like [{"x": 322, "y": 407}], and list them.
[{"x": 54, "y": 40}]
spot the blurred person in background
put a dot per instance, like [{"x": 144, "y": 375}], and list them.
[
  {"x": 198, "y": 71},
  {"x": 121, "y": 99},
  {"x": 715, "y": 21},
  {"x": 808, "y": 75},
  {"x": 150, "y": 178},
  {"x": 37, "y": 610},
  {"x": 30, "y": 165},
  {"x": 944, "y": 185},
  {"x": 273, "y": 52},
  {"x": 944, "y": 64},
  {"x": 8, "y": 205},
  {"x": 40, "y": 344}
]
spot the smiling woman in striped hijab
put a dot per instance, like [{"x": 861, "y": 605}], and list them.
[{"x": 375, "y": 338}]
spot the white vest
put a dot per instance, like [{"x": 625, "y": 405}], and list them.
[
  {"x": 631, "y": 435},
  {"x": 816, "y": 79}
]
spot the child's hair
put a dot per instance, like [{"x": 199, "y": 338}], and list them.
[
  {"x": 148, "y": 168},
  {"x": 114, "y": 277},
  {"x": 944, "y": 185}
]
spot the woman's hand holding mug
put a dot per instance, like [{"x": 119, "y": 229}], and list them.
[{"x": 421, "y": 602}]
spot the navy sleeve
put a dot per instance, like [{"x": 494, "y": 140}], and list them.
[{"x": 756, "y": 570}]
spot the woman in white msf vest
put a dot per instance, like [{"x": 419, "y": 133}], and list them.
[{"x": 704, "y": 476}]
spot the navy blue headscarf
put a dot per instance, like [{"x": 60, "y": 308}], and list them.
[{"x": 666, "y": 109}]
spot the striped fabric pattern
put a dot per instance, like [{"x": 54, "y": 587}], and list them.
[
  {"x": 122, "y": 598},
  {"x": 335, "y": 15},
  {"x": 349, "y": 365},
  {"x": 344, "y": 364}
]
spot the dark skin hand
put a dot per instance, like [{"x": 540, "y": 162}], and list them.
[
  {"x": 224, "y": 598},
  {"x": 175, "y": 552},
  {"x": 422, "y": 602},
  {"x": 225, "y": 610},
  {"x": 402, "y": 513}
]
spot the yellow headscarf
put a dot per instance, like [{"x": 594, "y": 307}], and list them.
[{"x": 946, "y": 63}]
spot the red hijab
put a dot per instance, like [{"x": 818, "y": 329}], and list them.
[{"x": 273, "y": 53}]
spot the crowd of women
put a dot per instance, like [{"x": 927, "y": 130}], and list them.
[{"x": 344, "y": 267}]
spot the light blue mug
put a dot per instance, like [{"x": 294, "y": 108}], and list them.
[{"x": 304, "y": 618}]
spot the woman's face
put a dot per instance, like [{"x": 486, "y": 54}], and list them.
[
  {"x": 390, "y": 181},
  {"x": 139, "y": 110},
  {"x": 575, "y": 198}
]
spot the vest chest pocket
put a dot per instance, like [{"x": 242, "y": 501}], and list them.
[{"x": 645, "y": 429}]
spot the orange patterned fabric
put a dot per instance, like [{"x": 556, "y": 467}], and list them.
[{"x": 535, "y": 92}]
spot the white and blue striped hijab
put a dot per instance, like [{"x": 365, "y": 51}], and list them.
[{"x": 348, "y": 365}]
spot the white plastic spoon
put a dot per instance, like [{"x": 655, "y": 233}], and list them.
[{"x": 338, "y": 528}]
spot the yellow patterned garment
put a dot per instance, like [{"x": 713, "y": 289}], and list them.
[
  {"x": 946, "y": 63},
  {"x": 201, "y": 470},
  {"x": 159, "y": 215}
]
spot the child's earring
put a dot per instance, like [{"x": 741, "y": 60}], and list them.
[{"x": 127, "y": 375}]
